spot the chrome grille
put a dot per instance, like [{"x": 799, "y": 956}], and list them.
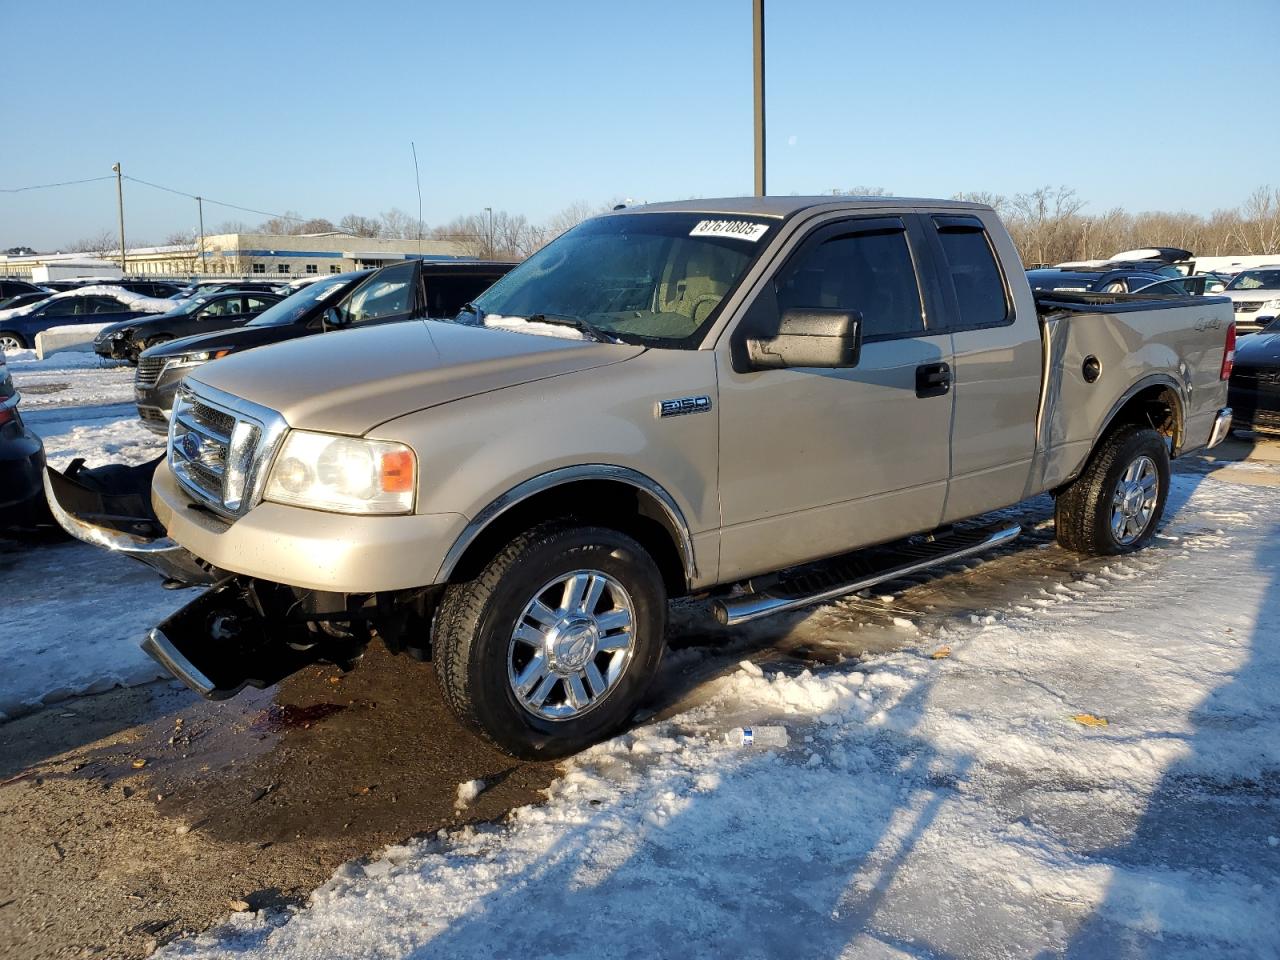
[
  {"x": 149, "y": 370},
  {"x": 1248, "y": 306},
  {"x": 219, "y": 447}
]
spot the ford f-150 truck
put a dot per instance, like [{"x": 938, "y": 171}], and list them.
[{"x": 763, "y": 402}]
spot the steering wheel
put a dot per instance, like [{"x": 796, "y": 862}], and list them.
[{"x": 707, "y": 298}]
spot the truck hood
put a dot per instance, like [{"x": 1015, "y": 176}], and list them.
[{"x": 352, "y": 380}]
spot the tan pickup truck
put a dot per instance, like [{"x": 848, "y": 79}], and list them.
[{"x": 763, "y": 402}]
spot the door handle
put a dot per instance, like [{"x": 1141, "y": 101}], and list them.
[{"x": 933, "y": 379}]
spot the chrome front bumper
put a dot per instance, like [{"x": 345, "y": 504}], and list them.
[
  {"x": 164, "y": 555},
  {"x": 1221, "y": 427}
]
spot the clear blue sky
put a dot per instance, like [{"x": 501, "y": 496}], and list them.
[{"x": 529, "y": 106}]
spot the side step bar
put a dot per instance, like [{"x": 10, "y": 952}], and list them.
[{"x": 838, "y": 578}]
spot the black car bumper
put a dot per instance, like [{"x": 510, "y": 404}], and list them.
[
  {"x": 1254, "y": 396},
  {"x": 21, "y": 477}
]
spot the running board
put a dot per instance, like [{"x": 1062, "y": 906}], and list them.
[{"x": 840, "y": 577}]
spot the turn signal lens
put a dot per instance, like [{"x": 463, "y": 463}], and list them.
[
  {"x": 397, "y": 472},
  {"x": 1229, "y": 353}
]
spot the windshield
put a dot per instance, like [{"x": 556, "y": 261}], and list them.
[
  {"x": 652, "y": 278},
  {"x": 1256, "y": 280},
  {"x": 291, "y": 308},
  {"x": 191, "y": 305}
]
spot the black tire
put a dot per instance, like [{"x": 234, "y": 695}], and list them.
[
  {"x": 1083, "y": 512},
  {"x": 474, "y": 623}
]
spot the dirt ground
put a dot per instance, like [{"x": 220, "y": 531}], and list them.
[{"x": 132, "y": 817}]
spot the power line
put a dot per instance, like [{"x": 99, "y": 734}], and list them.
[
  {"x": 46, "y": 186},
  {"x": 220, "y": 203}
]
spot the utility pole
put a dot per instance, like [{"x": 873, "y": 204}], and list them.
[
  {"x": 204, "y": 266},
  {"x": 489, "y": 211},
  {"x": 120, "y": 203},
  {"x": 757, "y": 23}
]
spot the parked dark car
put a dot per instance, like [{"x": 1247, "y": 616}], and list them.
[
  {"x": 14, "y": 288},
  {"x": 18, "y": 330},
  {"x": 221, "y": 311},
  {"x": 1110, "y": 278},
  {"x": 402, "y": 291},
  {"x": 21, "y": 461},
  {"x": 150, "y": 288},
  {"x": 1254, "y": 390},
  {"x": 24, "y": 299}
]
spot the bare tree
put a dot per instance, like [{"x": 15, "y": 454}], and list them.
[
  {"x": 398, "y": 224},
  {"x": 996, "y": 201},
  {"x": 1041, "y": 222},
  {"x": 1262, "y": 213},
  {"x": 103, "y": 242},
  {"x": 360, "y": 226}
]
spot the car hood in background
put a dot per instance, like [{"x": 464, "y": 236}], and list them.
[
  {"x": 235, "y": 339},
  {"x": 352, "y": 380},
  {"x": 1259, "y": 350},
  {"x": 1250, "y": 296}
]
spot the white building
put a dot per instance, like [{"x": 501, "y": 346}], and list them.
[{"x": 245, "y": 254}]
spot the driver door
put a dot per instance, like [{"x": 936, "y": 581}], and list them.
[{"x": 817, "y": 462}]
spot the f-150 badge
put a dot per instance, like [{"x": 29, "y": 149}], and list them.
[{"x": 682, "y": 405}]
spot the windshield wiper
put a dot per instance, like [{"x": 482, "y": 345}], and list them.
[{"x": 595, "y": 333}]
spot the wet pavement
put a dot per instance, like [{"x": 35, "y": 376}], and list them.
[{"x": 131, "y": 817}]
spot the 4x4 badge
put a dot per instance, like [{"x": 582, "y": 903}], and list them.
[{"x": 682, "y": 405}]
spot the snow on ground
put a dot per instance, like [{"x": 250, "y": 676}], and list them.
[
  {"x": 70, "y": 379},
  {"x": 1093, "y": 770},
  {"x": 73, "y": 614}
]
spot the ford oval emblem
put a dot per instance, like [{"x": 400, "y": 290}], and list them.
[{"x": 190, "y": 444}]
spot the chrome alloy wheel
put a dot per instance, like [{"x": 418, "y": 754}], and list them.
[
  {"x": 9, "y": 343},
  {"x": 1134, "y": 501},
  {"x": 571, "y": 645}
]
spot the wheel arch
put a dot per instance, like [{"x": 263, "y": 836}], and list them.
[
  {"x": 1154, "y": 401},
  {"x": 612, "y": 495}
]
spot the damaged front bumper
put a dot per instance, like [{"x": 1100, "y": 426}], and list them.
[
  {"x": 116, "y": 514},
  {"x": 243, "y": 631}
]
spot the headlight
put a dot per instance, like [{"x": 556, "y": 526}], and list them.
[
  {"x": 1270, "y": 308},
  {"x": 343, "y": 474}
]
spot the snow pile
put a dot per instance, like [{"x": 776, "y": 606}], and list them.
[
  {"x": 927, "y": 806},
  {"x": 467, "y": 793},
  {"x": 524, "y": 325}
]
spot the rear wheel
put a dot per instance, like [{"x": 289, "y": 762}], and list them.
[
  {"x": 9, "y": 342},
  {"x": 551, "y": 646},
  {"x": 1115, "y": 505}
]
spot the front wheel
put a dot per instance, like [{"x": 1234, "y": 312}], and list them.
[
  {"x": 551, "y": 646},
  {"x": 1115, "y": 505},
  {"x": 11, "y": 342}
]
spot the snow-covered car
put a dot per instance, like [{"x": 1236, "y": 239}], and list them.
[
  {"x": 102, "y": 303},
  {"x": 21, "y": 460},
  {"x": 1255, "y": 297}
]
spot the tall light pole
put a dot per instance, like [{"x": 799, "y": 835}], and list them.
[
  {"x": 489, "y": 211},
  {"x": 757, "y": 24},
  {"x": 204, "y": 266},
  {"x": 115, "y": 167}
]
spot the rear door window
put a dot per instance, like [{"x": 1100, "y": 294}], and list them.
[
  {"x": 982, "y": 300},
  {"x": 857, "y": 265}
]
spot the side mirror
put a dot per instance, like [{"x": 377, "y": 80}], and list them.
[
  {"x": 332, "y": 319},
  {"x": 810, "y": 338},
  {"x": 1217, "y": 287}
]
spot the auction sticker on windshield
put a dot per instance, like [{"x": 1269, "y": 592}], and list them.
[{"x": 738, "y": 229}]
